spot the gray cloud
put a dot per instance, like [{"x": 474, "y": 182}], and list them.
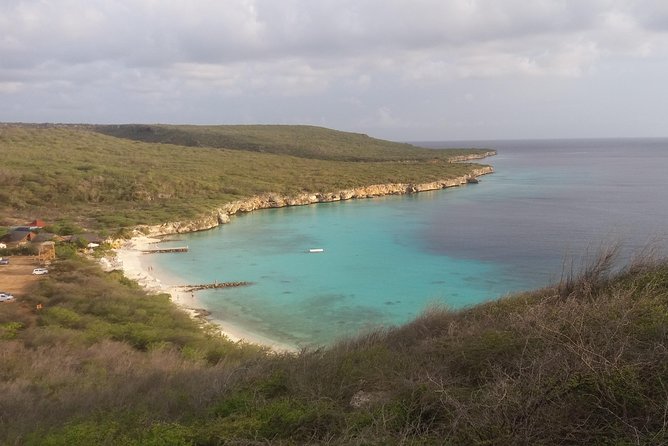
[{"x": 398, "y": 68}]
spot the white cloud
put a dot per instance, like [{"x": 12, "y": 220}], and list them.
[
  {"x": 162, "y": 51},
  {"x": 280, "y": 78},
  {"x": 385, "y": 118},
  {"x": 147, "y": 33},
  {"x": 10, "y": 87}
]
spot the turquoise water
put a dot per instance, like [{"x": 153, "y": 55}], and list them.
[{"x": 386, "y": 260}]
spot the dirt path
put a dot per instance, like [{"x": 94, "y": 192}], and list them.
[{"x": 17, "y": 277}]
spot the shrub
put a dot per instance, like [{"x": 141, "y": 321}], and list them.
[
  {"x": 108, "y": 432},
  {"x": 10, "y": 330}
]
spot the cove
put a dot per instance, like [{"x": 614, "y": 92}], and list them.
[{"x": 388, "y": 259}]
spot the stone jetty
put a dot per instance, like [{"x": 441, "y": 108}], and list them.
[{"x": 209, "y": 286}]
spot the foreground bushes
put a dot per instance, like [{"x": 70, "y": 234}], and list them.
[{"x": 583, "y": 362}]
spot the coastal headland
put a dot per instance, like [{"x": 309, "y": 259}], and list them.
[{"x": 122, "y": 177}]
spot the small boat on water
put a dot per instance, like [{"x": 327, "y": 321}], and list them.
[{"x": 314, "y": 250}]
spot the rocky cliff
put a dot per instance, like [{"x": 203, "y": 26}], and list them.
[
  {"x": 271, "y": 200},
  {"x": 471, "y": 157}
]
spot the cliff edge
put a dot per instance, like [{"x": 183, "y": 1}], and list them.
[{"x": 222, "y": 214}]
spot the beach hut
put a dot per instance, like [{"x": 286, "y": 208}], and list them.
[
  {"x": 43, "y": 237},
  {"x": 37, "y": 224},
  {"x": 18, "y": 237}
]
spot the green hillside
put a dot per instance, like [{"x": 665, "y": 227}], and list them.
[
  {"x": 584, "y": 362},
  {"x": 301, "y": 141},
  {"x": 101, "y": 181}
]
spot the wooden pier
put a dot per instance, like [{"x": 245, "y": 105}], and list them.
[{"x": 165, "y": 250}]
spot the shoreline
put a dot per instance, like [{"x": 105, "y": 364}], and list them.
[
  {"x": 128, "y": 260},
  {"x": 223, "y": 214},
  {"x": 128, "y": 257}
]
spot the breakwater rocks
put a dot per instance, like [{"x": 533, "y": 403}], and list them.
[
  {"x": 272, "y": 200},
  {"x": 210, "y": 286}
]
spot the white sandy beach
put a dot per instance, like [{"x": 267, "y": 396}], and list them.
[{"x": 128, "y": 259}]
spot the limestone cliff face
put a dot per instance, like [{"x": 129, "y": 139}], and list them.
[
  {"x": 271, "y": 200},
  {"x": 474, "y": 156}
]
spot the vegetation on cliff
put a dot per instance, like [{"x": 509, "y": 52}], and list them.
[
  {"x": 78, "y": 174},
  {"x": 294, "y": 140},
  {"x": 581, "y": 362}
]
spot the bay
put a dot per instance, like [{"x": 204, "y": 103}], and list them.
[{"x": 386, "y": 260}]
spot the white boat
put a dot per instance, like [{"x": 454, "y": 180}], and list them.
[{"x": 312, "y": 250}]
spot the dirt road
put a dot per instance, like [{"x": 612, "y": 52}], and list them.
[{"x": 16, "y": 278}]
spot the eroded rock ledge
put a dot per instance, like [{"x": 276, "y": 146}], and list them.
[
  {"x": 472, "y": 156},
  {"x": 272, "y": 200}
]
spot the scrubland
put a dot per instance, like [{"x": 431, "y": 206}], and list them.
[{"x": 77, "y": 174}]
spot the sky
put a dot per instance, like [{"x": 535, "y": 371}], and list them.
[{"x": 403, "y": 70}]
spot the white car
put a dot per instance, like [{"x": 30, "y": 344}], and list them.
[
  {"x": 6, "y": 297},
  {"x": 39, "y": 271}
]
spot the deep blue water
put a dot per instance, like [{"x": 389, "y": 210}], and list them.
[{"x": 388, "y": 259}]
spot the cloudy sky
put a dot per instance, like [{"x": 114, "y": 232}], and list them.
[{"x": 396, "y": 69}]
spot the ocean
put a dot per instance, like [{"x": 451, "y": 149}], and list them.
[{"x": 550, "y": 203}]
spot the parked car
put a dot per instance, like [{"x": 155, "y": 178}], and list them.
[
  {"x": 40, "y": 271},
  {"x": 6, "y": 297},
  {"x": 4, "y": 261}
]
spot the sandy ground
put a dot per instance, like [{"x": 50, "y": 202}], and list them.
[
  {"x": 128, "y": 259},
  {"x": 16, "y": 278}
]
